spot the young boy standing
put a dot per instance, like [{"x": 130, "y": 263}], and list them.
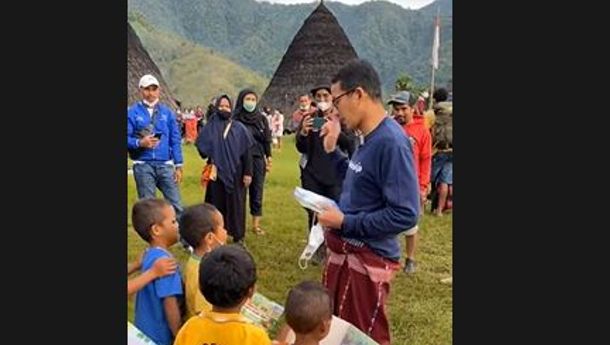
[
  {"x": 157, "y": 312},
  {"x": 202, "y": 227},
  {"x": 309, "y": 312}
]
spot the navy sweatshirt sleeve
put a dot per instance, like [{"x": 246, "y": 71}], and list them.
[{"x": 400, "y": 193}]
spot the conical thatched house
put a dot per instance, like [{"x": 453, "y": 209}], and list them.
[
  {"x": 140, "y": 63},
  {"x": 315, "y": 54}
]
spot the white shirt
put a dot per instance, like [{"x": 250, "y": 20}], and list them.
[{"x": 150, "y": 107}]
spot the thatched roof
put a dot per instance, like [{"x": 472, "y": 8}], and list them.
[
  {"x": 315, "y": 54},
  {"x": 140, "y": 63}
]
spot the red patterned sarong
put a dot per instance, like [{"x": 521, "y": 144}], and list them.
[{"x": 359, "y": 282}]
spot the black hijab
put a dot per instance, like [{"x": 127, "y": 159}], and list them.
[
  {"x": 225, "y": 152},
  {"x": 241, "y": 114}
]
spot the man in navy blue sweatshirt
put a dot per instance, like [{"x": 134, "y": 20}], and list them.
[{"x": 379, "y": 200}]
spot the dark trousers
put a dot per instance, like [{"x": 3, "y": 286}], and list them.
[
  {"x": 259, "y": 170},
  {"x": 309, "y": 182},
  {"x": 232, "y": 206}
]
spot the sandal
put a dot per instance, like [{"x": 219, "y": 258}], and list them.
[{"x": 259, "y": 231}]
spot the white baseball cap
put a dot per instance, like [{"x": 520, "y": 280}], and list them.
[{"x": 147, "y": 81}]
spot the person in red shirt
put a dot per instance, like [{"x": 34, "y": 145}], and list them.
[{"x": 403, "y": 110}]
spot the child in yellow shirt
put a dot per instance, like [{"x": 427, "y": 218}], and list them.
[
  {"x": 227, "y": 277},
  {"x": 202, "y": 227}
]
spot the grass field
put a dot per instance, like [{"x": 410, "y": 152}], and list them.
[{"x": 420, "y": 306}]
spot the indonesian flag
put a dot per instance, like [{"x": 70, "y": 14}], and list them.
[{"x": 437, "y": 42}]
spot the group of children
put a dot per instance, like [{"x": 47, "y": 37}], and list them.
[{"x": 216, "y": 282}]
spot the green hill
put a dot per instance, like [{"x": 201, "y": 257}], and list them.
[
  {"x": 195, "y": 73},
  {"x": 257, "y": 34}
]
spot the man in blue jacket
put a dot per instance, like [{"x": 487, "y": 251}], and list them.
[
  {"x": 153, "y": 142},
  {"x": 379, "y": 200}
]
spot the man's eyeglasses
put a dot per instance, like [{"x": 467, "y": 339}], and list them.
[{"x": 336, "y": 100}]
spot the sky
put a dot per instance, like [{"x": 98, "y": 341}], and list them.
[{"x": 413, "y": 4}]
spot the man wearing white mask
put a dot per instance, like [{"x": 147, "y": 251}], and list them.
[
  {"x": 153, "y": 143},
  {"x": 318, "y": 174}
]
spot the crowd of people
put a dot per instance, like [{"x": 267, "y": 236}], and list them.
[
  {"x": 190, "y": 121},
  {"x": 275, "y": 119},
  {"x": 381, "y": 168}
]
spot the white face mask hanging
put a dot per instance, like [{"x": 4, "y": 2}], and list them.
[
  {"x": 315, "y": 203},
  {"x": 316, "y": 238}
]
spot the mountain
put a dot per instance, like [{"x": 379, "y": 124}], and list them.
[
  {"x": 257, "y": 34},
  {"x": 195, "y": 73},
  {"x": 140, "y": 63}
]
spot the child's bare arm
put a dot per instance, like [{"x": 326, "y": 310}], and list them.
[
  {"x": 137, "y": 283},
  {"x": 282, "y": 336},
  {"x": 160, "y": 268},
  {"x": 134, "y": 266},
  {"x": 172, "y": 313}
]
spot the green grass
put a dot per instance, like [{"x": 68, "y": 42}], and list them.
[{"x": 420, "y": 306}]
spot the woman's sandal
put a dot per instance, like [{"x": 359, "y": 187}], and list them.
[{"x": 259, "y": 231}]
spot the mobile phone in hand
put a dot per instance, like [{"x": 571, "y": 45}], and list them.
[
  {"x": 158, "y": 135},
  {"x": 318, "y": 122}
]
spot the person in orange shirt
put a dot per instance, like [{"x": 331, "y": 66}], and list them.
[
  {"x": 190, "y": 123},
  {"x": 414, "y": 126}
]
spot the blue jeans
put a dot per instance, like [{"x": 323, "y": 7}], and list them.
[{"x": 150, "y": 176}]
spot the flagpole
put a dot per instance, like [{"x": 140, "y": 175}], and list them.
[
  {"x": 431, "y": 89},
  {"x": 435, "y": 46}
]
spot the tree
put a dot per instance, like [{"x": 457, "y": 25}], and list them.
[
  {"x": 403, "y": 83},
  {"x": 406, "y": 83}
]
